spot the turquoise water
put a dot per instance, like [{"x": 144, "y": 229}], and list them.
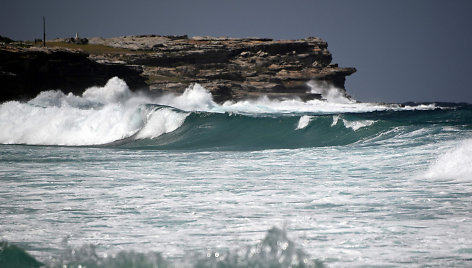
[{"x": 115, "y": 179}]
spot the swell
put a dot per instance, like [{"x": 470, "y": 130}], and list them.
[{"x": 229, "y": 131}]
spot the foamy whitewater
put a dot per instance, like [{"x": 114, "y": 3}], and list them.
[{"x": 116, "y": 178}]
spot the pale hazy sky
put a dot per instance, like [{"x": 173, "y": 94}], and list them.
[{"x": 404, "y": 50}]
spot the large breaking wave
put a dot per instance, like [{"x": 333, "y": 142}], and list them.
[{"x": 114, "y": 116}]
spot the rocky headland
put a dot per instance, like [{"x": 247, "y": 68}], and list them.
[{"x": 230, "y": 68}]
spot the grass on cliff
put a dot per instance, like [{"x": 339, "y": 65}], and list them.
[
  {"x": 94, "y": 49},
  {"x": 161, "y": 78}
]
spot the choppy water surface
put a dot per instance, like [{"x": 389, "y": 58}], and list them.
[{"x": 179, "y": 183}]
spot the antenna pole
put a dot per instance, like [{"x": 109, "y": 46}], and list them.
[{"x": 44, "y": 31}]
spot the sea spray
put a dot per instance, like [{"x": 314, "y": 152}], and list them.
[
  {"x": 115, "y": 90},
  {"x": 454, "y": 164},
  {"x": 329, "y": 92},
  {"x": 194, "y": 98}
]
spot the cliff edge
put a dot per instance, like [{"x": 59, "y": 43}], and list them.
[{"x": 231, "y": 68}]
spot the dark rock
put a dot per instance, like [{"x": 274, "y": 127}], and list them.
[
  {"x": 26, "y": 72},
  {"x": 6, "y": 40},
  {"x": 14, "y": 256}
]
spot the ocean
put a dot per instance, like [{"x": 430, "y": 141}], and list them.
[{"x": 115, "y": 178}]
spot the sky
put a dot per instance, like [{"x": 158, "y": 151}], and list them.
[{"x": 403, "y": 50}]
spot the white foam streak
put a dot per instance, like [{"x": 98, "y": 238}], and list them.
[
  {"x": 264, "y": 105},
  {"x": 453, "y": 164},
  {"x": 356, "y": 125},
  {"x": 335, "y": 120},
  {"x": 303, "y": 122}
]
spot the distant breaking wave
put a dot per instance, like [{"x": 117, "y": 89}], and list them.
[{"x": 113, "y": 115}]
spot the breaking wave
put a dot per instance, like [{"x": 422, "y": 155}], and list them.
[
  {"x": 453, "y": 164},
  {"x": 112, "y": 115},
  {"x": 329, "y": 92}
]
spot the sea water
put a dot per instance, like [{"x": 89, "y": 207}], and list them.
[{"x": 115, "y": 178}]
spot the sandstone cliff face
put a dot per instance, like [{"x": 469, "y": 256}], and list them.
[{"x": 231, "y": 68}]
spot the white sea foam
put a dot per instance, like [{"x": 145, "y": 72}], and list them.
[
  {"x": 264, "y": 105},
  {"x": 195, "y": 98},
  {"x": 115, "y": 90},
  {"x": 303, "y": 122},
  {"x": 329, "y": 92},
  {"x": 356, "y": 125},
  {"x": 101, "y": 115},
  {"x": 453, "y": 164},
  {"x": 23, "y": 123}
]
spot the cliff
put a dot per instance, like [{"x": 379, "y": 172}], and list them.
[{"x": 231, "y": 68}]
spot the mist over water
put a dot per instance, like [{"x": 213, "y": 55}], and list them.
[{"x": 118, "y": 178}]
